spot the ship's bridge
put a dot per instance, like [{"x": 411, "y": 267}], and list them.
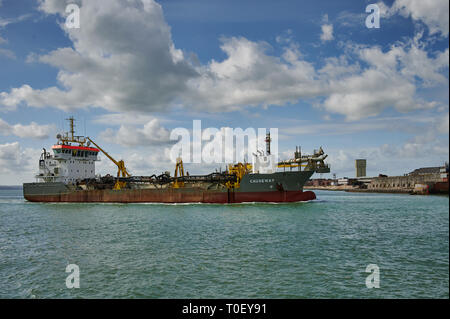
[
  {"x": 68, "y": 163},
  {"x": 73, "y": 159},
  {"x": 64, "y": 151}
]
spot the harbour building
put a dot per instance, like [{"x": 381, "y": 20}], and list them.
[{"x": 360, "y": 165}]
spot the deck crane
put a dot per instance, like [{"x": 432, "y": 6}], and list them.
[
  {"x": 121, "y": 170},
  {"x": 179, "y": 172},
  {"x": 313, "y": 162}
]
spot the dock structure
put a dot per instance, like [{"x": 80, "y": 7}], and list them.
[
  {"x": 426, "y": 180},
  {"x": 422, "y": 180}
]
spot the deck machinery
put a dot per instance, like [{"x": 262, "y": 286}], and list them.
[{"x": 68, "y": 175}]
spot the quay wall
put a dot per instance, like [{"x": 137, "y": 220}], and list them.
[{"x": 402, "y": 183}]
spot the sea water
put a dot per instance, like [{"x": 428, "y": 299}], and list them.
[{"x": 317, "y": 249}]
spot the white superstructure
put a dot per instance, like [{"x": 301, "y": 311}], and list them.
[
  {"x": 264, "y": 163},
  {"x": 67, "y": 164},
  {"x": 72, "y": 159}
]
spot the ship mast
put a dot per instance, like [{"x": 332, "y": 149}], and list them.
[
  {"x": 72, "y": 126},
  {"x": 268, "y": 140},
  {"x": 72, "y": 138}
]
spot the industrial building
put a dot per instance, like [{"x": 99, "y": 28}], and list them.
[{"x": 360, "y": 165}]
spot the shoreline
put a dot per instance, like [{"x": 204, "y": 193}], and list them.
[{"x": 363, "y": 190}]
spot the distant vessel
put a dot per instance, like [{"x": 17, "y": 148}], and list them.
[{"x": 68, "y": 175}]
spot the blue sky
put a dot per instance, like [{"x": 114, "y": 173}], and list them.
[{"x": 137, "y": 69}]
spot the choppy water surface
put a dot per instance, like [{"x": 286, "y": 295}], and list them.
[{"x": 318, "y": 249}]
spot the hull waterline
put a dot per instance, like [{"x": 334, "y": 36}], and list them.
[{"x": 171, "y": 196}]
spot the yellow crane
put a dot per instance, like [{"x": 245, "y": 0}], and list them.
[
  {"x": 239, "y": 170},
  {"x": 121, "y": 170},
  {"x": 179, "y": 172}
]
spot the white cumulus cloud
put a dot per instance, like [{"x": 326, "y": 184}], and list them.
[
  {"x": 32, "y": 130},
  {"x": 152, "y": 133},
  {"x": 138, "y": 69},
  {"x": 433, "y": 13},
  {"x": 327, "y": 32},
  {"x": 123, "y": 58},
  {"x": 390, "y": 80},
  {"x": 250, "y": 77},
  {"x": 17, "y": 163},
  {"x": 8, "y": 53}
]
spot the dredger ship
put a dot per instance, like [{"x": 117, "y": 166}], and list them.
[{"x": 68, "y": 175}]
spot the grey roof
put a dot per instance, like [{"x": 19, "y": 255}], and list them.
[{"x": 426, "y": 170}]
